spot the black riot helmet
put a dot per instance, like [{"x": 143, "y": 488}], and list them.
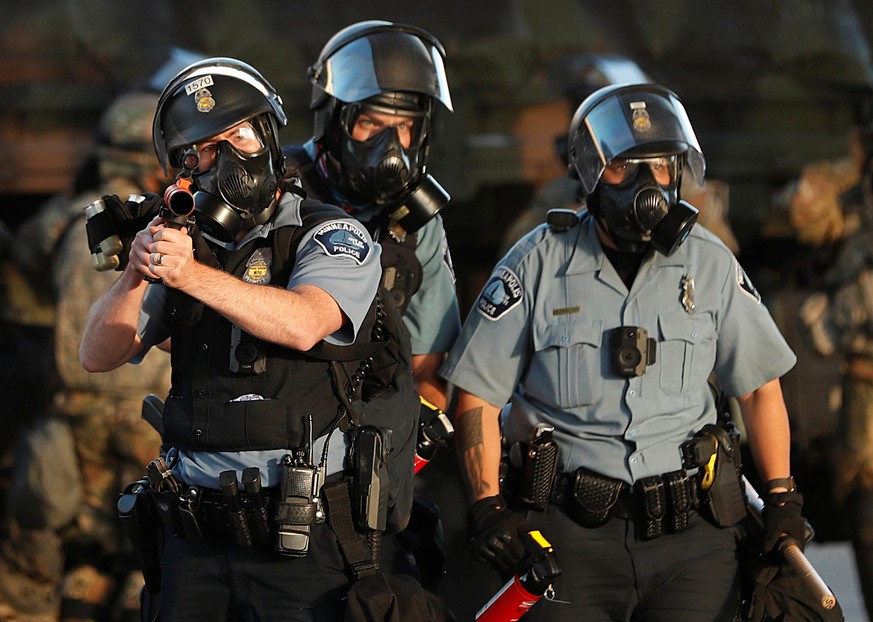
[
  {"x": 387, "y": 68},
  {"x": 206, "y": 99},
  {"x": 646, "y": 129}
]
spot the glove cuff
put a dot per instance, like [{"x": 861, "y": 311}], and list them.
[
  {"x": 779, "y": 499},
  {"x": 483, "y": 508}
]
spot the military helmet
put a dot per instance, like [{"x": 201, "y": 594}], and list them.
[
  {"x": 630, "y": 120},
  {"x": 209, "y": 97},
  {"x": 127, "y": 123},
  {"x": 373, "y": 58}
]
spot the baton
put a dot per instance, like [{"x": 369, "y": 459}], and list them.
[{"x": 792, "y": 552}]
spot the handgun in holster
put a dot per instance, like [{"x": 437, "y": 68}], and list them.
[
  {"x": 715, "y": 452},
  {"x": 370, "y": 481},
  {"x": 144, "y": 530}
]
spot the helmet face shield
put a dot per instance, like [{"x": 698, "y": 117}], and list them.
[
  {"x": 208, "y": 98},
  {"x": 632, "y": 122},
  {"x": 387, "y": 60}
]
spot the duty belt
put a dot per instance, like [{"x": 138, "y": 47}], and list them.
[
  {"x": 656, "y": 505},
  {"x": 197, "y": 514}
]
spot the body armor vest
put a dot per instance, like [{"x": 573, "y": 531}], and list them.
[{"x": 231, "y": 391}]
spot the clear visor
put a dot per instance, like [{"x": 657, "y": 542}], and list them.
[
  {"x": 664, "y": 169},
  {"x": 363, "y": 69},
  {"x": 364, "y": 122},
  {"x": 243, "y": 138},
  {"x": 632, "y": 124}
]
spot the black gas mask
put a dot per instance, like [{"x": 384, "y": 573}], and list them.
[
  {"x": 237, "y": 191},
  {"x": 643, "y": 206}
]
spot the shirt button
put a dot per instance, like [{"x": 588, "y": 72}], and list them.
[
  {"x": 565, "y": 339},
  {"x": 204, "y": 346},
  {"x": 632, "y": 392},
  {"x": 633, "y": 459},
  {"x": 694, "y": 333},
  {"x": 199, "y": 392},
  {"x": 198, "y": 433}
]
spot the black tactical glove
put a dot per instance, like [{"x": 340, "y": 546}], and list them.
[
  {"x": 496, "y": 533},
  {"x": 131, "y": 217},
  {"x": 782, "y": 518}
]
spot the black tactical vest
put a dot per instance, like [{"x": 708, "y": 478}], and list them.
[{"x": 231, "y": 391}]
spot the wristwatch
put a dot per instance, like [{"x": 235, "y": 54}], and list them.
[{"x": 781, "y": 482}]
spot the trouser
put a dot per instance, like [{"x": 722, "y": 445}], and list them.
[
  {"x": 861, "y": 527},
  {"x": 216, "y": 580},
  {"x": 611, "y": 576}
]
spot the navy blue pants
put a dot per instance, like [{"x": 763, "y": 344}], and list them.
[
  {"x": 217, "y": 581},
  {"x": 609, "y": 576}
]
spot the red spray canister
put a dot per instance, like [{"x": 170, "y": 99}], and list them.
[
  {"x": 434, "y": 431},
  {"x": 523, "y": 591}
]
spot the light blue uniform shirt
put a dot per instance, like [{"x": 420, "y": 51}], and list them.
[
  {"x": 539, "y": 337},
  {"x": 432, "y": 316},
  {"x": 351, "y": 284}
]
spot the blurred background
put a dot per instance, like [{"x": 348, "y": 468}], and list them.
[{"x": 770, "y": 86}]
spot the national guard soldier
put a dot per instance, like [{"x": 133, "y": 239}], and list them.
[
  {"x": 72, "y": 463},
  {"x": 601, "y": 330}
]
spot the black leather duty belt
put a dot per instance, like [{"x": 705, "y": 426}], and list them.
[{"x": 656, "y": 505}]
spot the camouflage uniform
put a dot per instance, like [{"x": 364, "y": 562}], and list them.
[
  {"x": 839, "y": 320},
  {"x": 101, "y": 414}
]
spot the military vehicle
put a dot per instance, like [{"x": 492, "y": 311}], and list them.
[{"x": 769, "y": 87}]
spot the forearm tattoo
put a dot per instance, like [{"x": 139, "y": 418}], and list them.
[{"x": 473, "y": 452}]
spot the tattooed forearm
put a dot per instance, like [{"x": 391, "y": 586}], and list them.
[
  {"x": 472, "y": 447},
  {"x": 471, "y": 427}
]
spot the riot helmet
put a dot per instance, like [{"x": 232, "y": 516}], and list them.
[
  {"x": 379, "y": 68},
  {"x": 629, "y": 146},
  {"x": 222, "y": 97}
]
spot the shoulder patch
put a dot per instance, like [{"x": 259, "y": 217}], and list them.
[
  {"x": 343, "y": 238},
  {"x": 745, "y": 284},
  {"x": 501, "y": 293}
]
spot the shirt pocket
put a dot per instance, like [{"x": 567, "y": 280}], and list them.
[
  {"x": 686, "y": 350},
  {"x": 565, "y": 369}
]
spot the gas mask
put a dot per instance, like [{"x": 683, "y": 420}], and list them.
[
  {"x": 237, "y": 191},
  {"x": 643, "y": 207}
]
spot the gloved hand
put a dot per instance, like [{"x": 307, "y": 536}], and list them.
[
  {"x": 131, "y": 217},
  {"x": 496, "y": 533},
  {"x": 782, "y": 517}
]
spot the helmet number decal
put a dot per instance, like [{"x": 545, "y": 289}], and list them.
[
  {"x": 501, "y": 293},
  {"x": 343, "y": 238},
  {"x": 199, "y": 83}
]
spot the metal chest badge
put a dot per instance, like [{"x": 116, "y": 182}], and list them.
[
  {"x": 687, "y": 284},
  {"x": 258, "y": 267}
]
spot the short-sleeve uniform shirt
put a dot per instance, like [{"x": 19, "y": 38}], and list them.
[{"x": 539, "y": 337}]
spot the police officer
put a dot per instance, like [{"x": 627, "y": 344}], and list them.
[
  {"x": 605, "y": 326},
  {"x": 243, "y": 311},
  {"x": 375, "y": 88}
]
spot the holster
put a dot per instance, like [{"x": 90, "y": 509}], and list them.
[
  {"x": 144, "y": 530},
  {"x": 715, "y": 452}
]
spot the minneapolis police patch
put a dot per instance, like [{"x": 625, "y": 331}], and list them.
[
  {"x": 745, "y": 284},
  {"x": 343, "y": 237},
  {"x": 502, "y": 292}
]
